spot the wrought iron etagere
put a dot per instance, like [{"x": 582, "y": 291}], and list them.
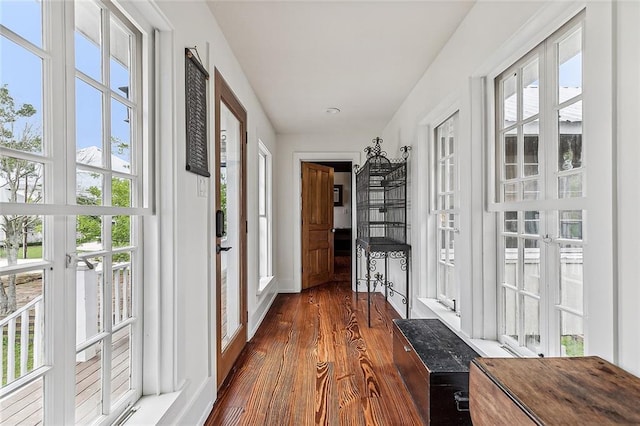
[{"x": 381, "y": 216}]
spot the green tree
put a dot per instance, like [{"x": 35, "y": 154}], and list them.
[
  {"x": 89, "y": 228},
  {"x": 21, "y": 179}
]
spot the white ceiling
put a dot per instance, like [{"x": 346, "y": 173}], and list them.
[{"x": 363, "y": 57}]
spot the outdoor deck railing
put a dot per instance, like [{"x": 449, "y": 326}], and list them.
[
  {"x": 29, "y": 315},
  {"x": 22, "y": 331},
  {"x": 121, "y": 291}
]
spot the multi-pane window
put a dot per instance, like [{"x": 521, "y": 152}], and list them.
[
  {"x": 446, "y": 196},
  {"x": 540, "y": 188},
  {"x": 264, "y": 213},
  {"x": 91, "y": 247}
]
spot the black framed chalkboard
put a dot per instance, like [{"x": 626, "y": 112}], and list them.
[{"x": 196, "y": 78}]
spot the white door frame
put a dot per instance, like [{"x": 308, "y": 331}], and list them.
[{"x": 298, "y": 158}]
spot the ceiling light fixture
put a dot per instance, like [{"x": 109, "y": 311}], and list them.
[{"x": 332, "y": 110}]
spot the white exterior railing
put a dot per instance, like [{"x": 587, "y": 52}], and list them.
[
  {"x": 121, "y": 292},
  {"x": 22, "y": 333},
  {"x": 18, "y": 336}
]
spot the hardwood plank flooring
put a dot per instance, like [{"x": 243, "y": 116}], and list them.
[{"x": 314, "y": 361}]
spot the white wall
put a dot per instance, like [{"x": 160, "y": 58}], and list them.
[
  {"x": 492, "y": 36},
  {"x": 192, "y": 24}
]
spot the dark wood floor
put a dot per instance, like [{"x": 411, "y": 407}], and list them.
[{"x": 315, "y": 361}]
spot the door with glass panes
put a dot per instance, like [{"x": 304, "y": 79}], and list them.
[
  {"x": 231, "y": 228},
  {"x": 70, "y": 213}
]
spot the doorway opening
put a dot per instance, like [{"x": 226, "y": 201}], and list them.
[{"x": 342, "y": 218}]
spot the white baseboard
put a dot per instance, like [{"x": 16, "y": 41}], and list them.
[
  {"x": 198, "y": 409},
  {"x": 261, "y": 312},
  {"x": 287, "y": 286}
]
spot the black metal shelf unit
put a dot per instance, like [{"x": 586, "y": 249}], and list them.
[{"x": 381, "y": 213}]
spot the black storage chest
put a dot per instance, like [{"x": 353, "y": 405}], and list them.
[{"x": 434, "y": 364}]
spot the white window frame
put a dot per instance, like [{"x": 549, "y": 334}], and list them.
[
  {"x": 548, "y": 204},
  {"x": 59, "y": 211},
  {"x": 265, "y": 212},
  {"x": 447, "y": 287}
]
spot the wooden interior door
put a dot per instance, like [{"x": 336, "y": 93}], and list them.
[
  {"x": 231, "y": 228},
  {"x": 317, "y": 224}
]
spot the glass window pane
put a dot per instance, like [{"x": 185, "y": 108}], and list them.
[
  {"x": 450, "y": 290},
  {"x": 570, "y": 186},
  {"x": 121, "y": 192},
  {"x": 532, "y": 324},
  {"x": 120, "y": 137},
  {"x": 22, "y": 181},
  {"x": 89, "y": 188},
  {"x": 264, "y": 253},
  {"x": 510, "y": 101},
  {"x": 121, "y": 231},
  {"x": 511, "y": 155},
  {"x": 88, "y": 124},
  {"x": 89, "y": 306},
  {"x": 530, "y": 190},
  {"x": 451, "y": 175},
  {"x": 530, "y": 83},
  {"x": 510, "y": 221},
  {"x": 443, "y": 245},
  {"x": 571, "y": 275},
  {"x": 443, "y": 175},
  {"x": 511, "y": 192},
  {"x": 89, "y": 233},
  {"x": 511, "y": 313},
  {"x": 23, "y": 18},
  {"x": 511, "y": 261},
  {"x": 572, "y": 335},
  {"x": 532, "y": 266},
  {"x": 88, "y": 39},
  {"x": 22, "y": 334},
  {"x": 570, "y": 66},
  {"x": 120, "y": 42},
  {"x": 89, "y": 384},
  {"x": 452, "y": 244},
  {"x": 531, "y": 159},
  {"x": 24, "y": 406},
  {"x": 120, "y": 364},
  {"x": 122, "y": 287},
  {"x": 571, "y": 224},
  {"x": 262, "y": 184},
  {"x": 532, "y": 222},
  {"x": 21, "y": 239},
  {"x": 570, "y": 137},
  {"x": 21, "y": 94}
]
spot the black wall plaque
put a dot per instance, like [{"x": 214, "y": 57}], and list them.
[{"x": 196, "y": 78}]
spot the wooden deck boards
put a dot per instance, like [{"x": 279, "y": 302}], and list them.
[
  {"x": 315, "y": 361},
  {"x": 25, "y": 407}
]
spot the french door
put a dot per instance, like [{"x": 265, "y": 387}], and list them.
[
  {"x": 231, "y": 228},
  {"x": 70, "y": 212}
]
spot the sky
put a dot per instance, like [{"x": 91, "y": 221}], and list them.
[{"x": 22, "y": 72}]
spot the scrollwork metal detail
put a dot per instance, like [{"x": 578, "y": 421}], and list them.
[{"x": 405, "y": 151}]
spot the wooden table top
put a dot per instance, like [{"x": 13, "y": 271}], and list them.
[{"x": 584, "y": 390}]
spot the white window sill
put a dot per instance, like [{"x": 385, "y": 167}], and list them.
[
  {"x": 264, "y": 283},
  {"x": 486, "y": 348},
  {"x": 151, "y": 409}
]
